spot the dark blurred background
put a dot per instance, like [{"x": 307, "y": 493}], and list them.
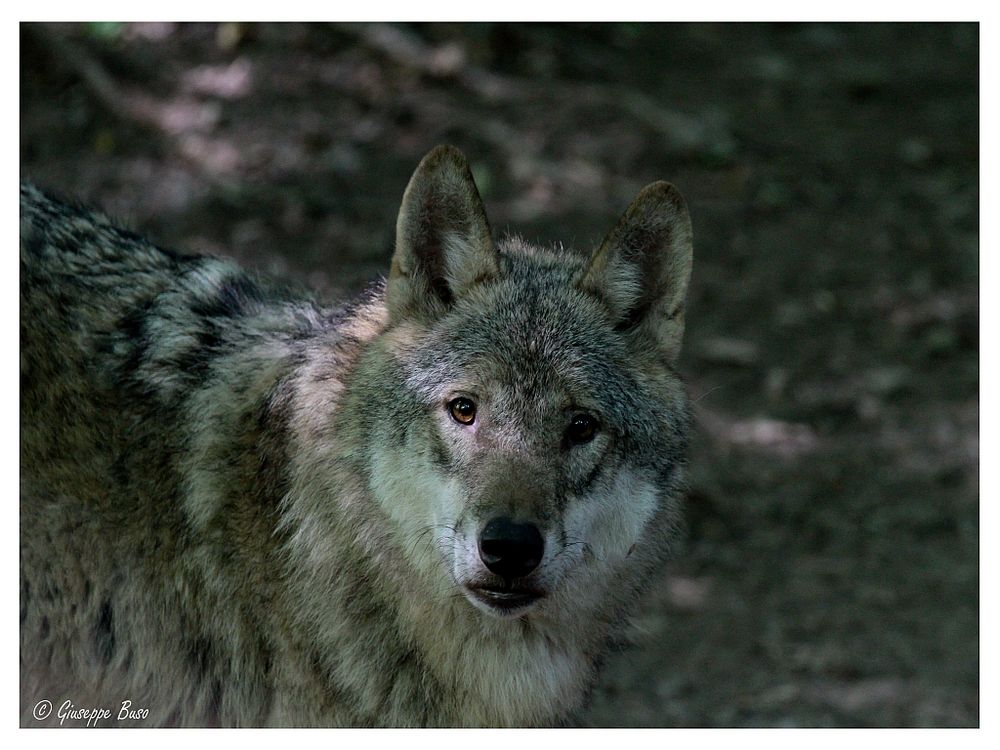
[{"x": 830, "y": 574}]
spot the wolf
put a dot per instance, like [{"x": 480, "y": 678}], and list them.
[{"x": 432, "y": 506}]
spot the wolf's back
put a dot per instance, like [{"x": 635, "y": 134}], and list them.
[
  {"x": 79, "y": 271},
  {"x": 111, "y": 316},
  {"x": 120, "y": 344},
  {"x": 80, "y": 278}
]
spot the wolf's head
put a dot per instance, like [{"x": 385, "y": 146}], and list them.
[{"x": 534, "y": 443}]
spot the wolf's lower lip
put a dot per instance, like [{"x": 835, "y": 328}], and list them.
[{"x": 506, "y": 600}]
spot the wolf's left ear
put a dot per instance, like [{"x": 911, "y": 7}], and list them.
[
  {"x": 641, "y": 270},
  {"x": 443, "y": 241}
]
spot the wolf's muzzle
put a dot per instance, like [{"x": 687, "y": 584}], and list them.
[{"x": 510, "y": 549}]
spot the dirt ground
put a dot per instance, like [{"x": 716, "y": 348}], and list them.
[{"x": 830, "y": 573}]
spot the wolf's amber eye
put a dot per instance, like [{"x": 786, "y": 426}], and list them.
[
  {"x": 582, "y": 429},
  {"x": 462, "y": 410}
]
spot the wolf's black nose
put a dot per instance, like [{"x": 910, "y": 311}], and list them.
[{"x": 510, "y": 549}]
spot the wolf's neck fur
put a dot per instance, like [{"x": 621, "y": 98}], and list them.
[{"x": 512, "y": 672}]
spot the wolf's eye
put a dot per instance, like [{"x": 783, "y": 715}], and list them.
[
  {"x": 462, "y": 410},
  {"x": 581, "y": 429}
]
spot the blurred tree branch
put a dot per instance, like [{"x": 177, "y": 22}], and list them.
[{"x": 679, "y": 130}]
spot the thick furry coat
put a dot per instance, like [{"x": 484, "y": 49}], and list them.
[{"x": 242, "y": 508}]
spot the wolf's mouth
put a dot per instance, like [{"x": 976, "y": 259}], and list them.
[{"x": 505, "y": 601}]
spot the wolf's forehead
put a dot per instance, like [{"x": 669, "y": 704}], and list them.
[{"x": 529, "y": 342}]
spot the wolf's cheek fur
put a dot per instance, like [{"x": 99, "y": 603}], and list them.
[
  {"x": 422, "y": 503},
  {"x": 610, "y": 520}
]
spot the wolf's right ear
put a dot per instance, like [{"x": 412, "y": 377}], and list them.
[
  {"x": 443, "y": 241},
  {"x": 642, "y": 268}
]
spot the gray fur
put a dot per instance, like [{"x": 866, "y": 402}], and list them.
[{"x": 241, "y": 508}]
